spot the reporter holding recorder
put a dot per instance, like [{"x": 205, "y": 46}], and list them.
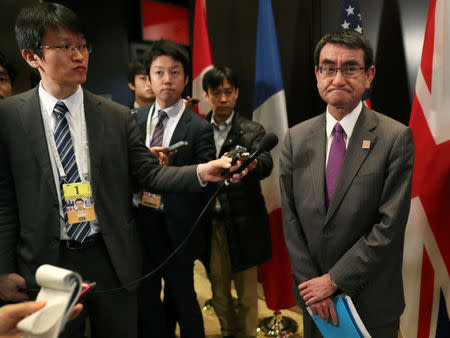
[{"x": 103, "y": 150}]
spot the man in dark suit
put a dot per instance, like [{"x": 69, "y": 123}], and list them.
[
  {"x": 58, "y": 133},
  {"x": 240, "y": 236},
  {"x": 345, "y": 179},
  {"x": 171, "y": 216}
]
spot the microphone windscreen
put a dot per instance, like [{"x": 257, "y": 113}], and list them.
[{"x": 269, "y": 141}]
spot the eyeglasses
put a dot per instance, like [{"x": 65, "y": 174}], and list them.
[
  {"x": 347, "y": 71},
  {"x": 83, "y": 49}
]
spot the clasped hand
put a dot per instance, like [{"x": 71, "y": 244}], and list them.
[{"x": 316, "y": 294}]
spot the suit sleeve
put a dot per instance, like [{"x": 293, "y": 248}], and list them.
[
  {"x": 302, "y": 264},
  {"x": 365, "y": 259},
  {"x": 205, "y": 149},
  {"x": 9, "y": 224},
  {"x": 147, "y": 172}
]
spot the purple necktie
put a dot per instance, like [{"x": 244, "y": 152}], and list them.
[{"x": 337, "y": 152}]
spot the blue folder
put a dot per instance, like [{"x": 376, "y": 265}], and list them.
[{"x": 349, "y": 322}]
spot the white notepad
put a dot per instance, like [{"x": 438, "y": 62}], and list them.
[{"x": 60, "y": 288}]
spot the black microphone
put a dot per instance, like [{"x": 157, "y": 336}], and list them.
[{"x": 267, "y": 144}]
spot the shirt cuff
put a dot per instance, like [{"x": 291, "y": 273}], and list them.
[{"x": 199, "y": 180}]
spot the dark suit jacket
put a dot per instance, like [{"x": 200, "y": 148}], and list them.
[
  {"x": 30, "y": 227},
  {"x": 180, "y": 209},
  {"x": 358, "y": 240}
]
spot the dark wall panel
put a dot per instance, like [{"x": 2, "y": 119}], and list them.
[
  {"x": 9, "y": 9},
  {"x": 232, "y": 29}
]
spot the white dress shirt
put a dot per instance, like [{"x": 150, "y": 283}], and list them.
[
  {"x": 173, "y": 112},
  {"x": 221, "y": 132},
  {"x": 74, "y": 104},
  {"x": 347, "y": 123}
]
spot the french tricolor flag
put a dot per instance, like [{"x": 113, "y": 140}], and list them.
[{"x": 270, "y": 110}]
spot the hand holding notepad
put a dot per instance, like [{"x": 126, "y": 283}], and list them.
[{"x": 60, "y": 288}]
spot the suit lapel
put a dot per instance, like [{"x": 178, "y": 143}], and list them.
[
  {"x": 142, "y": 116},
  {"x": 93, "y": 111},
  {"x": 316, "y": 159},
  {"x": 354, "y": 157},
  {"x": 182, "y": 128},
  {"x": 30, "y": 114}
]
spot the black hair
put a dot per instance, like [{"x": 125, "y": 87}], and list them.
[
  {"x": 349, "y": 38},
  {"x": 9, "y": 68},
  {"x": 167, "y": 48},
  {"x": 79, "y": 199},
  {"x": 33, "y": 21},
  {"x": 135, "y": 67},
  {"x": 214, "y": 78}
]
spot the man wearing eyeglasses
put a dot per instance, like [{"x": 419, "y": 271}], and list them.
[
  {"x": 346, "y": 187},
  {"x": 63, "y": 143}
]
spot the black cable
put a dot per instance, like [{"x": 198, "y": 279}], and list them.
[{"x": 174, "y": 252}]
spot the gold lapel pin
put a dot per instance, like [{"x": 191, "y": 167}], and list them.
[{"x": 366, "y": 144}]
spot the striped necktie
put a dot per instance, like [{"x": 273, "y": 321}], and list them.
[
  {"x": 63, "y": 141},
  {"x": 158, "y": 134}
]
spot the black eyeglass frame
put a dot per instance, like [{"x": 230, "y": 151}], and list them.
[{"x": 336, "y": 69}]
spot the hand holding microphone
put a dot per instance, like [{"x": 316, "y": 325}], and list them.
[{"x": 268, "y": 142}]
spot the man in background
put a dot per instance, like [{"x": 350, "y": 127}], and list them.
[
  {"x": 240, "y": 238},
  {"x": 139, "y": 84},
  {"x": 345, "y": 180},
  {"x": 7, "y": 77},
  {"x": 166, "y": 220}
]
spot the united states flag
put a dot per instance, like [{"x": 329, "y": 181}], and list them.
[
  {"x": 351, "y": 19},
  {"x": 351, "y": 16},
  {"x": 426, "y": 259}
]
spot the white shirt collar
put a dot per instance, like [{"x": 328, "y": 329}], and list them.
[
  {"x": 171, "y": 111},
  {"x": 347, "y": 123},
  {"x": 72, "y": 102}
]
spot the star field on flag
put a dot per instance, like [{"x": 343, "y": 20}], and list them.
[{"x": 351, "y": 16}]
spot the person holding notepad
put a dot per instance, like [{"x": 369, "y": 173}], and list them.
[
  {"x": 59, "y": 141},
  {"x": 345, "y": 179}
]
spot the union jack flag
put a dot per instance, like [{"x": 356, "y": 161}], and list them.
[{"x": 426, "y": 257}]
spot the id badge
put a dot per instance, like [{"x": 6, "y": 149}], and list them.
[
  {"x": 151, "y": 200},
  {"x": 79, "y": 202}
]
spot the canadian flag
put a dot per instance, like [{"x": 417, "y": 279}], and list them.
[
  {"x": 426, "y": 257},
  {"x": 201, "y": 57}
]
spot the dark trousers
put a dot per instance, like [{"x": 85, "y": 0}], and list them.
[
  {"x": 111, "y": 314},
  {"x": 158, "y": 317}
]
